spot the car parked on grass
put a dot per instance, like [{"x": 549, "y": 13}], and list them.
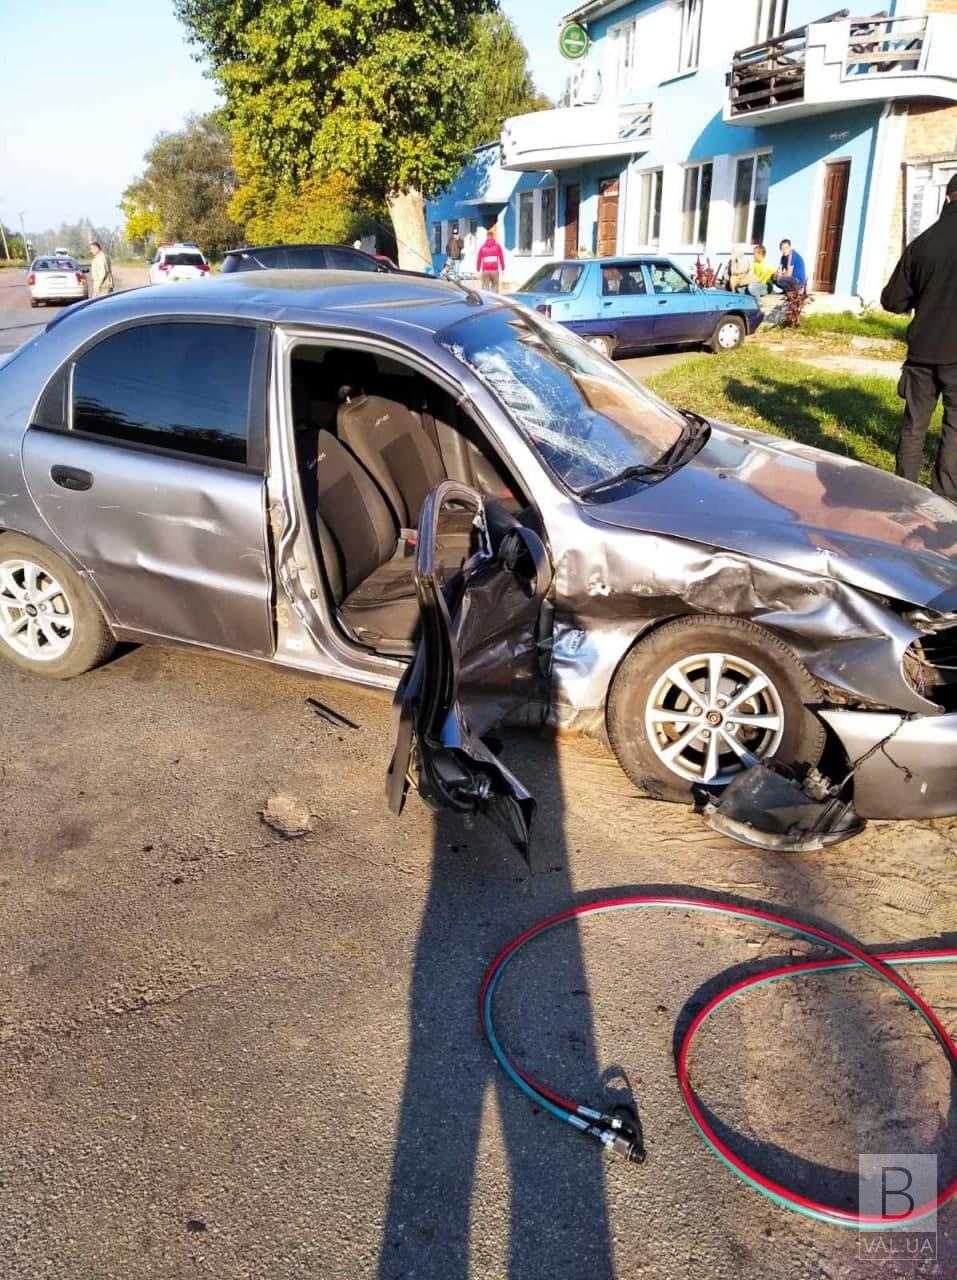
[
  {"x": 304, "y": 257},
  {"x": 176, "y": 263},
  {"x": 55, "y": 278},
  {"x": 397, "y": 482},
  {"x": 623, "y": 304}
]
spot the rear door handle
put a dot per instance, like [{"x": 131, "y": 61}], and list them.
[
  {"x": 71, "y": 478},
  {"x": 662, "y": 302}
]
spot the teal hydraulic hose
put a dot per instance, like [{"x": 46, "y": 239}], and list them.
[{"x": 618, "y": 1135}]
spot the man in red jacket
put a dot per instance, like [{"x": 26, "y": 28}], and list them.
[{"x": 490, "y": 262}]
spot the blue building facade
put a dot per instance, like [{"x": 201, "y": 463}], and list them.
[{"x": 694, "y": 127}]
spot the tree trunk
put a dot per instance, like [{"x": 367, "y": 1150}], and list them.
[{"x": 407, "y": 210}]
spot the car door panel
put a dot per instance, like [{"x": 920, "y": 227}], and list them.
[
  {"x": 478, "y": 660},
  {"x": 174, "y": 547},
  {"x": 680, "y": 310},
  {"x": 624, "y": 300}
]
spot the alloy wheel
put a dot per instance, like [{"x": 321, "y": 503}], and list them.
[
  {"x": 36, "y": 618},
  {"x": 712, "y": 715}
]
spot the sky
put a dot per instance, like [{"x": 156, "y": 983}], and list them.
[{"x": 85, "y": 89}]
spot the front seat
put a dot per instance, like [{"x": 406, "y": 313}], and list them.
[
  {"x": 394, "y": 447},
  {"x": 370, "y": 575}
]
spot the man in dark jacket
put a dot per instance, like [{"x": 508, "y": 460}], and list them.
[{"x": 925, "y": 282}]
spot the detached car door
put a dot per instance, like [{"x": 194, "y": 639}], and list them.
[
  {"x": 481, "y": 577},
  {"x": 145, "y": 457}
]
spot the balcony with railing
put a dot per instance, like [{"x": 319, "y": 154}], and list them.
[
  {"x": 568, "y": 136},
  {"x": 842, "y": 61}
]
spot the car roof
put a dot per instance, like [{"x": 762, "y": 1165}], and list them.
[
  {"x": 263, "y": 248},
  {"x": 297, "y": 296}
]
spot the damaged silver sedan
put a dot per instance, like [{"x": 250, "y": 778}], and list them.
[{"x": 404, "y": 483}]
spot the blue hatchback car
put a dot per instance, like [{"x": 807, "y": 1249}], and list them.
[{"x": 620, "y": 304}]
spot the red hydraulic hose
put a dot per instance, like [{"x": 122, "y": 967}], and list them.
[{"x": 622, "y": 1137}]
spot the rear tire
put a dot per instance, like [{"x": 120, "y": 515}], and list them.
[
  {"x": 605, "y": 345},
  {"x": 50, "y": 624},
  {"x": 729, "y": 333},
  {"x": 652, "y": 718}
]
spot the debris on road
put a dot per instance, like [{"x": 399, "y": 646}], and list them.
[
  {"x": 333, "y": 717},
  {"x": 287, "y": 815}
]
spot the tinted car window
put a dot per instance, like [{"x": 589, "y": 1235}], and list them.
[
  {"x": 182, "y": 387},
  {"x": 184, "y": 259},
  {"x": 306, "y": 257},
  {"x": 349, "y": 260},
  {"x": 620, "y": 279},
  {"x": 254, "y": 260},
  {"x": 54, "y": 264}
]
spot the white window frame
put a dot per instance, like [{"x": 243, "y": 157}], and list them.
[
  {"x": 438, "y": 245},
  {"x": 538, "y": 220},
  {"x": 624, "y": 43},
  {"x": 738, "y": 158},
  {"x": 689, "y": 45},
  {"x": 521, "y": 251},
  {"x": 654, "y": 178},
  {"x": 697, "y": 240}
]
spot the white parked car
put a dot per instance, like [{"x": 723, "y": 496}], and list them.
[
  {"x": 55, "y": 279},
  {"x": 175, "y": 262}
]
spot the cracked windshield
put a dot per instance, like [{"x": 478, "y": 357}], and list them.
[{"x": 586, "y": 420}]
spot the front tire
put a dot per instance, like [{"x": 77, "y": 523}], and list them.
[
  {"x": 729, "y": 333},
  {"x": 703, "y": 698},
  {"x": 50, "y": 624}
]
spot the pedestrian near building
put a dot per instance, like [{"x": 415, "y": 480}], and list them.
[
  {"x": 101, "y": 270},
  {"x": 925, "y": 282},
  {"x": 791, "y": 273},
  {"x": 490, "y": 262},
  {"x": 454, "y": 251}
]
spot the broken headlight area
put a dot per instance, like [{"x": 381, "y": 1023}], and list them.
[{"x": 930, "y": 663}]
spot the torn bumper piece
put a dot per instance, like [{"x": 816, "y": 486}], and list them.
[
  {"x": 762, "y": 807},
  {"x": 906, "y": 768}
]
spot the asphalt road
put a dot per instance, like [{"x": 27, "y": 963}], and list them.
[{"x": 227, "y": 1053}]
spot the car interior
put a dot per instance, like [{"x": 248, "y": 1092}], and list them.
[{"x": 373, "y": 437}]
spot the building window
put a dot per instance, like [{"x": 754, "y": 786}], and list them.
[
  {"x": 548, "y": 220},
  {"x": 690, "y": 34},
  {"x": 526, "y": 213},
  {"x": 696, "y": 204},
  {"x": 437, "y": 237},
  {"x": 752, "y": 179},
  {"x": 623, "y": 55},
  {"x": 770, "y": 19},
  {"x": 649, "y": 225},
  {"x": 182, "y": 387}
]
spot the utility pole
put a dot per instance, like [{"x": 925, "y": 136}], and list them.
[
  {"x": 3, "y": 237},
  {"x": 23, "y": 233}
]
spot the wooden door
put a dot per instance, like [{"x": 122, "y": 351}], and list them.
[
  {"x": 607, "y": 217},
  {"x": 836, "y": 177},
  {"x": 572, "y": 202}
]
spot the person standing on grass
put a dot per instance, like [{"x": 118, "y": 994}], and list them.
[
  {"x": 101, "y": 270},
  {"x": 491, "y": 261},
  {"x": 925, "y": 282},
  {"x": 791, "y": 273}
]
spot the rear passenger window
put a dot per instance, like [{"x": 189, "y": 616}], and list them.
[
  {"x": 348, "y": 260},
  {"x": 182, "y": 387},
  {"x": 306, "y": 259}
]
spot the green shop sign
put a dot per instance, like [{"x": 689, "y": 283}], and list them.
[{"x": 573, "y": 40}]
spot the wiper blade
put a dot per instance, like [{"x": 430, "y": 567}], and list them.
[{"x": 669, "y": 460}]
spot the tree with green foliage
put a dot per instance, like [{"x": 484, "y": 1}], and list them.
[
  {"x": 185, "y": 188},
  {"x": 502, "y": 83},
  {"x": 382, "y": 90}
]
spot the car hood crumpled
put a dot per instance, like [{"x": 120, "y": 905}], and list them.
[{"x": 793, "y": 505}]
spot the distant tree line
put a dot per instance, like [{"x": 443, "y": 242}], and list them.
[{"x": 339, "y": 120}]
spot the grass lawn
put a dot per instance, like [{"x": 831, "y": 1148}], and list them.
[
  {"x": 869, "y": 324},
  {"x": 752, "y": 387}
]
